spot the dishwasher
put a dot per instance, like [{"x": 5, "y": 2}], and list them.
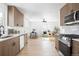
[{"x": 21, "y": 41}]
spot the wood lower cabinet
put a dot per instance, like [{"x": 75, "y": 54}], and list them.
[
  {"x": 5, "y": 48},
  {"x": 14, "y": 46},
  {"x": 0, "y": 49},
  {"x": 10, "y": 47},
  {"x": 75, "y": 48},
  {"x": 25, "y": 39},
  {"x": 57, "y": 43}
]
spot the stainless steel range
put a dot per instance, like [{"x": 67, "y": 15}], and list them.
[{"x": 65, "y": 45}]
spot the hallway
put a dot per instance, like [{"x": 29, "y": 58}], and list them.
[{"x": 39, "y": 47}]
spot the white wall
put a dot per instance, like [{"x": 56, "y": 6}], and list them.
[
  {"x": 4, "y": 11},
  {"x": 35, "y": 22},
  {"x": 26, "y": 24},
  {"x": 69, "y": 29},
  {"x": 53, "y": 19},
  {"x": 40, "y": 26}
]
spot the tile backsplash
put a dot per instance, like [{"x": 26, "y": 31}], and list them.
[
  {"x": 69, "y": 30},
  {"x": 12, "y": 31},
  {"x": 16, "y": 30}
]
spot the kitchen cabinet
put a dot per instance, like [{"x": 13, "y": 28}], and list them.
[
  {"x": 25, "y": 39},
  {"x": 14, "y": 46},
  {"x": 75, "y": 6},
  {"x": 15, "y": 17},
  {"x": 57, "y": 43},
  {"x": 10, "y": 47},
  {"x": 75, "y": 48},
  {"x": 0, "y": 50},
  {"x": 4, "y": 49},
  {"x": 67, "y": 9}
]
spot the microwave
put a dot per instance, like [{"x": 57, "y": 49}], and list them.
[{"x": 72, "y": 17}]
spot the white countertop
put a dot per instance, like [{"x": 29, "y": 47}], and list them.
[
  {"x": 12, "y": 36},
  {"x": 75, "y": 39}
]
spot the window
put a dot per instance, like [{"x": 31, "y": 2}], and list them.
[
  {"x": 1, "y": 19},
  {"x": 2, "y": 14}
]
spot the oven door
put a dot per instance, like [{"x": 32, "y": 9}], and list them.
[{"x": 64, "y": 49}]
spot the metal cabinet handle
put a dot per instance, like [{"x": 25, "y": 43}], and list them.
[
  {"x": 72, "y": 10},
  {"x": 13, "y": 44}
]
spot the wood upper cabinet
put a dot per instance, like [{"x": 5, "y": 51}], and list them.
[
  {"x": 15, "y": 17},
  {"x": 18, "y": 17},
  {"x": 75, "y": 6},
  {"x": 10, "y": 47},
  {"x": 67, "y": 9}
]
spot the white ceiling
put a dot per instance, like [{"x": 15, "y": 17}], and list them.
[{"x": 39, "y": 11}]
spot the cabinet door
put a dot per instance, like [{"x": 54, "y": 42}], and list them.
[
  {"x": 75, "y": 48},
  {"x": 17, "y": 45},
  {"x": 14, "y": 46},
  {"x": 56, "y": 44},
  {"x": 75, "y": 6},
  {"x": 10, "y": 47},
  {"x": 15, "y": 17},
  {"x": 0, "y": 49},
  {"x": 18, "y": 17},
  {"x": 10, "y": 20},
  {"x": 25, "y": 39},
  {"x": 5, "y": 48}
]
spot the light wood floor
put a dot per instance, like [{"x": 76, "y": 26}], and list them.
[{"x": 39, "y": 47}]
